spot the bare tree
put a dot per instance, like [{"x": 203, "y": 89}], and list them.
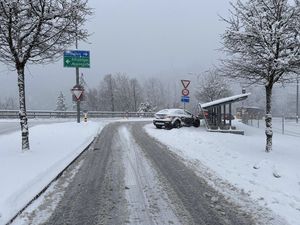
[
  {"x": 115, "y": 93},
  {"x": 154, "y": 93},
  {"x": 38, "y": 32},
  {"x": 8, "y": 103},
  {"x": 212, "y": 86},
  {"x": 136, "y": 93},
  {"x": 83, "y": 102},
  {"x": 92, "y": 99},
  {"x": 263, "y": 40},
  {"x": 123, "y": 98},
  {"x": 257, "y": 98},
  {"x": 107, "y": 93}
]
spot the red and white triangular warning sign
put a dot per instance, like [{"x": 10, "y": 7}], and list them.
[
  {"x": 185, "y": 83},
  {"x": 77, "y": 93}
]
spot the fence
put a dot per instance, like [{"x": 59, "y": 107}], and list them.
[
  {"x": 12, "y": 114},
  {"x": 283, "y": 125}
]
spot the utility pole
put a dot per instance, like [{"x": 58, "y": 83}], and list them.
[{"x": 243, "y": 110}]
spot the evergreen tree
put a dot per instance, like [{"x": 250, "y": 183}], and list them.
[
  {"x": 146, "y": 107},
  {"x": 60, "y": 103},
  {"x": 84, "y": 101}
]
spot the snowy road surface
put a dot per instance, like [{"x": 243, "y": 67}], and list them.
[
  {"x": 8, "y": 127},
  {"x": 129, "y": 178}
]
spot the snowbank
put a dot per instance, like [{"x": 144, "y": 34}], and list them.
[
  {"x": 53, "y": 146},
  {"x": 275, "y": 183}
]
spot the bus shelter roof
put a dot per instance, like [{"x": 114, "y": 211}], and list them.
[{"x": 224, "y": 101}]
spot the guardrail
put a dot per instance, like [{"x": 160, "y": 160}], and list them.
[{"x": 12, "y": 114}]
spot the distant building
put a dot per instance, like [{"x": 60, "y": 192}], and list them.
[{"x": 249, "y": 112}]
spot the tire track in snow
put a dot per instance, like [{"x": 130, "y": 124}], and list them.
[
  {"x": 204, "y": 204},
  {"x": 148, "y": 204}
]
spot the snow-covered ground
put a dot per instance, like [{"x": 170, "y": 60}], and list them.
[
  {"x": 286, "y": 126},
  {"x": 145, "y": 196},
  {"x": 270, "y": 179},
  {"x": 54, "y": 143},
  {"x": 53, "y": 147},
  {"x": 229, "y": 157}
]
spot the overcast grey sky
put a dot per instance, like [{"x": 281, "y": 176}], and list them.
[{"x": 142, "y": 38}]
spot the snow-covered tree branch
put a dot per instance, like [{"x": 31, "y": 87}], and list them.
[
  {"x": 38, "y": 32},
  {"x": 263, "y": 42},
  {"x": 61, "y": 102},
  {"x": 212, "y": 87}
]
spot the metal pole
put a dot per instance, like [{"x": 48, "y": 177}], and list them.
[
  {"x": 297, "y": 101},
  {"x": 282, "y": 124},
  {"x": 77, "y": 83},
  {"x": 230, "y": 115}
]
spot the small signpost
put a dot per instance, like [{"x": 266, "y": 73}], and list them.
[
  {"x": 185, "y": 83},
  {"x": 77, "y": 59},
  {"x": 77, "y": 92},
  {"x": 185, "y": 99},
  {"x": 185, "y": 92}
]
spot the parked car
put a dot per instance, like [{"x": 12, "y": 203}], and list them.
[{"x": 175, "y": 118}]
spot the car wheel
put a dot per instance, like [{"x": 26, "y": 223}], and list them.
[
  {"x": 169, "y": 126},
  {"x": 176, "y": 124},
  {"x": 158, "y": 126},
  {"x": 196, "y": 123}
]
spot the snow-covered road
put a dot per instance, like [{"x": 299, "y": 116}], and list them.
[
  {"x": 129, "y": 178},
  {"x": 146, "y": 199}
]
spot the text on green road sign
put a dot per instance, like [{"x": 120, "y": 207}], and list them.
[{"x": 77, "y": 58}]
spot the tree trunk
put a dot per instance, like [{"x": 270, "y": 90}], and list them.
[
  {"x": 134, "y": 99},
  {"x": 22, "y": 112},
  {"x": 268, "y": 119},
  {"x": 112, "y": 100}
]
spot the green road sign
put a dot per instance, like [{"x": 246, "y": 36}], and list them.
[{"x": 77, "y": 58}]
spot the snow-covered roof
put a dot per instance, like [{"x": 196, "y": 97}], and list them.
[
  {"x": 234, "y": 98},
  {"x": 168, "y": 111}
]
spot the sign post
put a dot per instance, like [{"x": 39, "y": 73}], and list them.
[
  {"x": 185, "y": 98},
  {"x": 185, "y": 83},
  {"x": 78, "y": 59}
]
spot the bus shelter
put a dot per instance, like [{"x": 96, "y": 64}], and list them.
[{"x": 218, "y": 113}]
